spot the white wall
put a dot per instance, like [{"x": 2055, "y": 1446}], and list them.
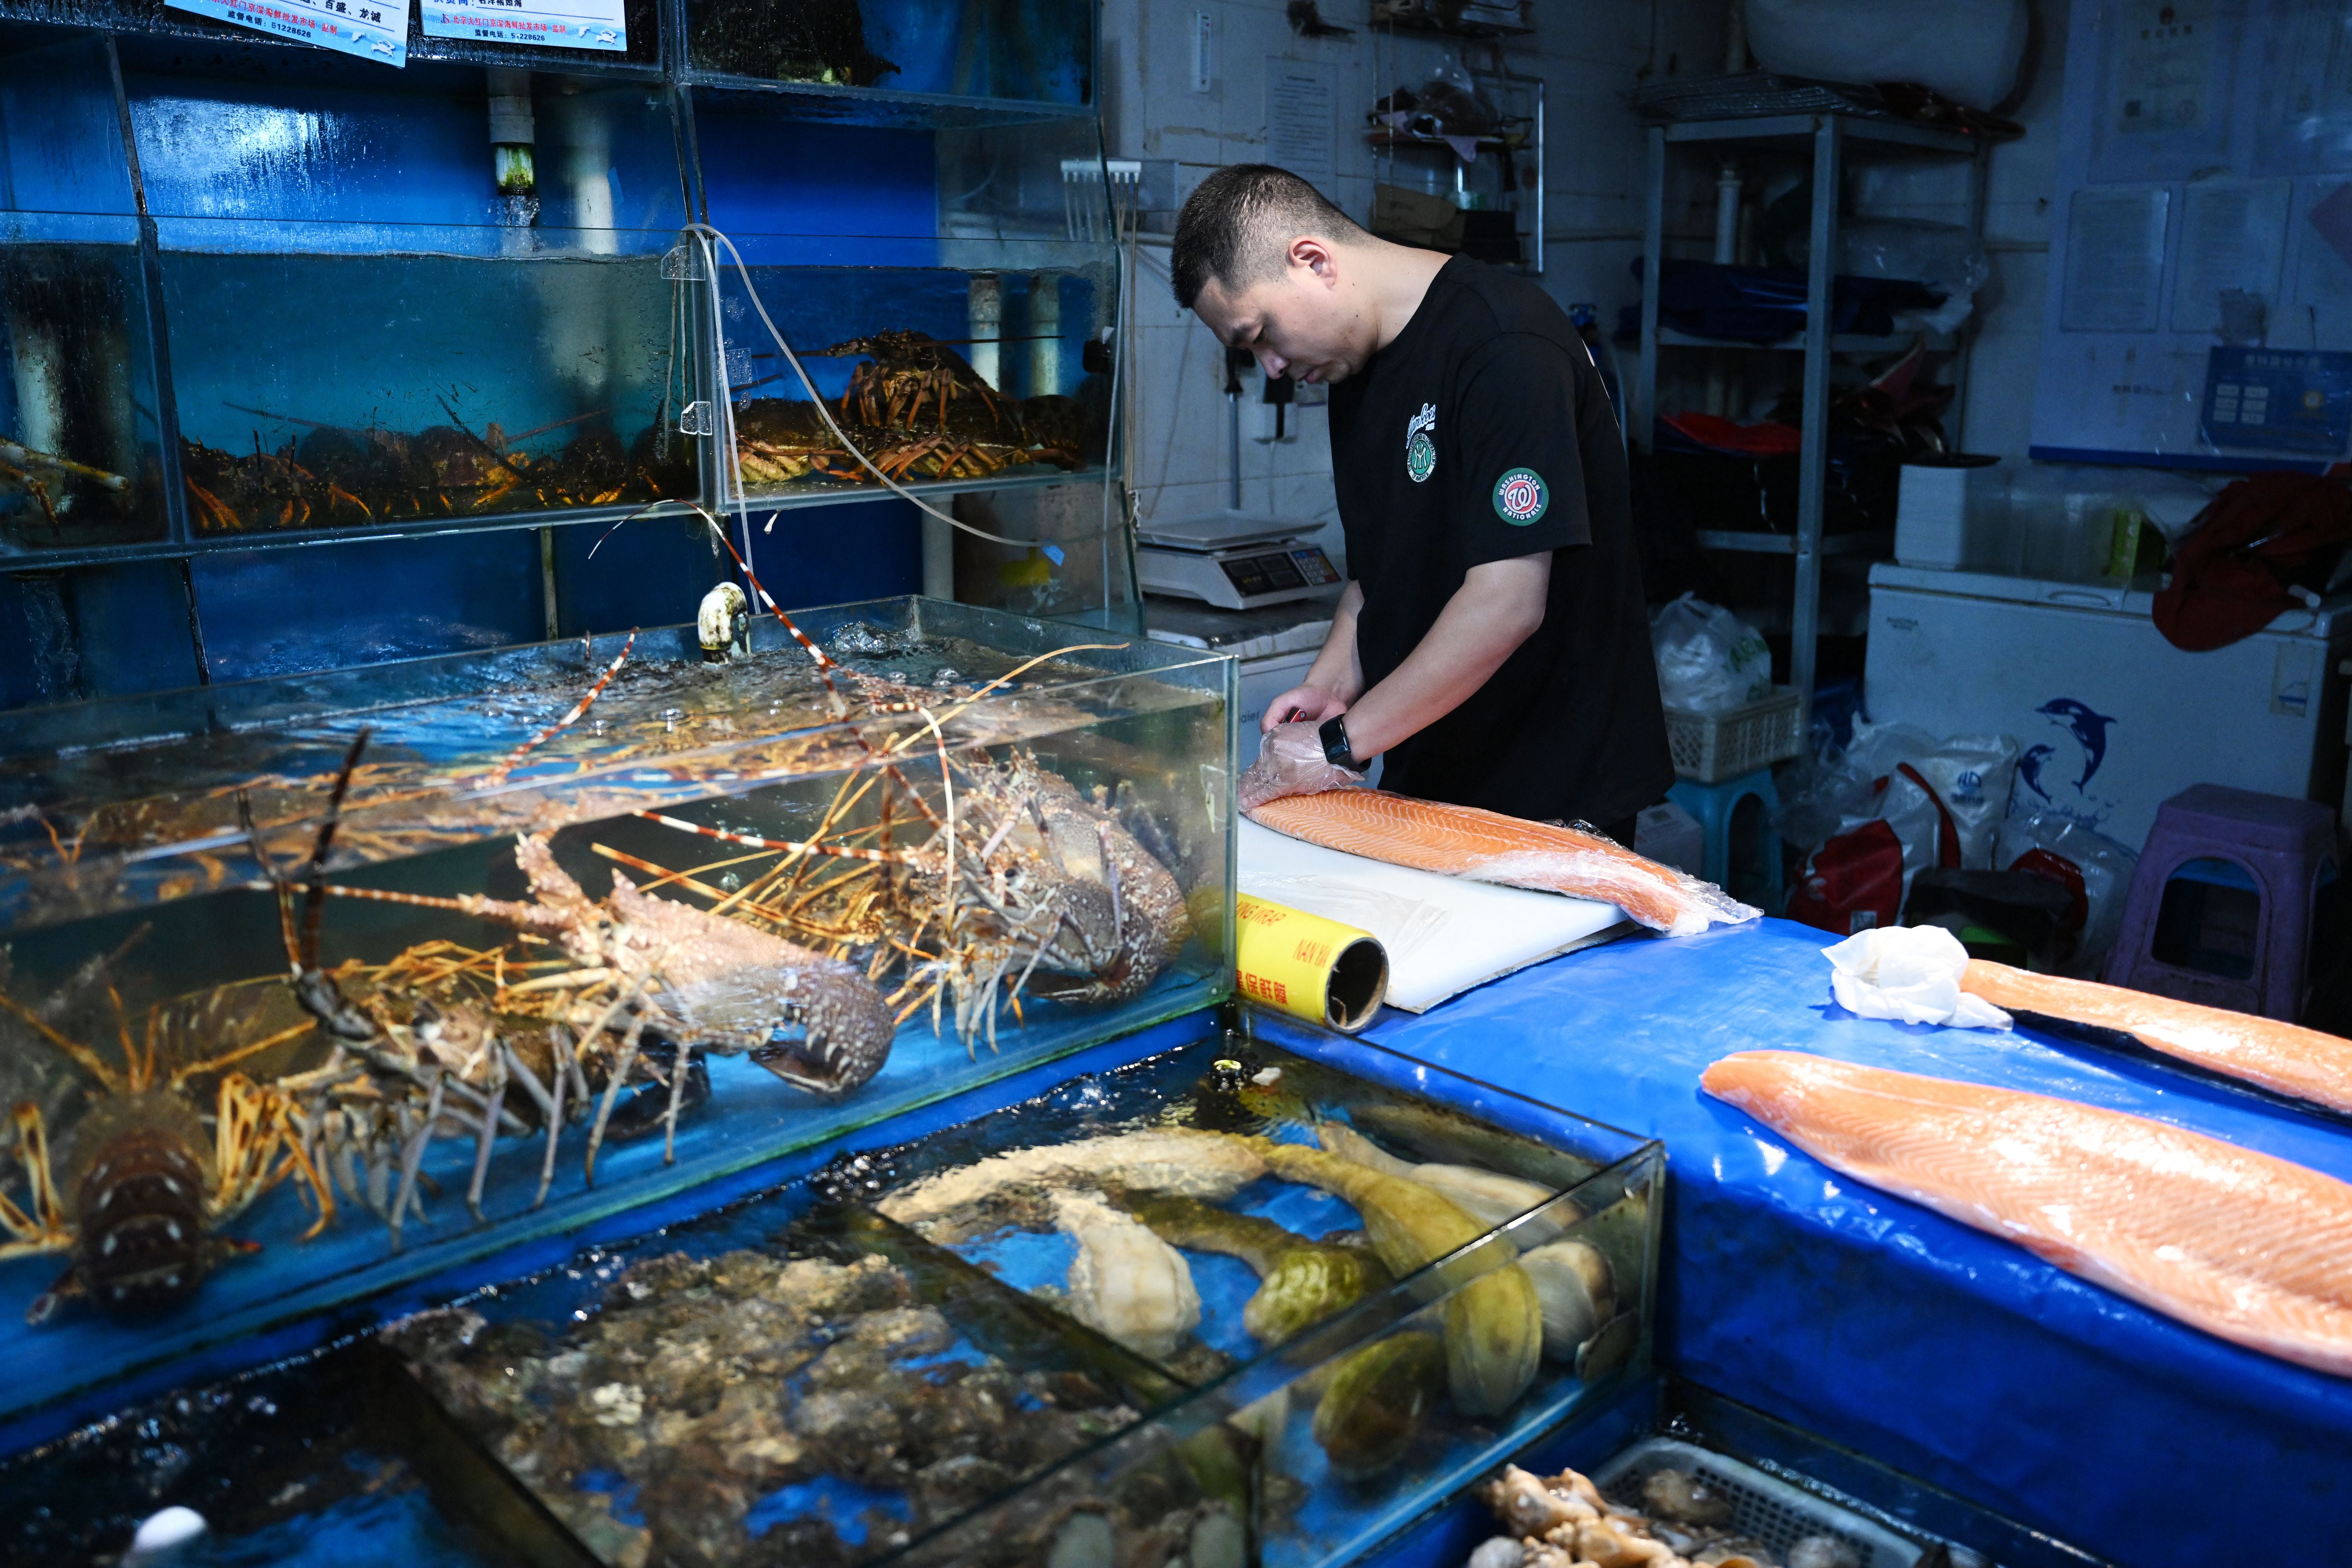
[
  {"x": 2006, "y": 357},
  {"x": 1588, "y": 52}
]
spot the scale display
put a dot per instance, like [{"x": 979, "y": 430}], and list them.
[
  {"x": 1278, "y": 570},
  {"x": 1239, "y": 578}
]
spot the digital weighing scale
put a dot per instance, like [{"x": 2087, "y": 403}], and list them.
[{"x": 1232, "y": 560}]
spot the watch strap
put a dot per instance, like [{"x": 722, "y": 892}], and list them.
[{"x": 1336, "y": 750}]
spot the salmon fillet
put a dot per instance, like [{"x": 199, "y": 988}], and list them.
[
  {"x": 1487, "y": 846},
  {"x": 2285, "y": 1059},
  {"x": 2239, "y": 1243}
]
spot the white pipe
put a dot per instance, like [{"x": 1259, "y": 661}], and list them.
[
  {"x": 1726, "y": 214},
  {"x": 984, "y": 315},
  {"x": 1044, "y": 335}
]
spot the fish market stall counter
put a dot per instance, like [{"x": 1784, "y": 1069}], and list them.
[{"x": 1947, "y": 1353}]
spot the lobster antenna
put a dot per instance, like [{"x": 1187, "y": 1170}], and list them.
[{"x": 314, "y": 904}]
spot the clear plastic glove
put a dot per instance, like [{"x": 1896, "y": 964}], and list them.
[{"x": 1290, "y": 761}]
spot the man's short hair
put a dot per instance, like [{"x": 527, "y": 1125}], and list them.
[{"x": 1235, "y": 227}]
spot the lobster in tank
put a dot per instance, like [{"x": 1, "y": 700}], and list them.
[
  {"x": 641, "y": 988},
  {"x": 147, "y": 1185}
]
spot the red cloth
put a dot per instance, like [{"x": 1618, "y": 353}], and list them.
[
  {"x": 2229, "y": 578},
  {"x": 1854, "y": 873},
  {"x": 1765, "y": 440}
]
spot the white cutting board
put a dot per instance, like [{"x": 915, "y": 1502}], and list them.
[{"x": 1444, "y": 934}]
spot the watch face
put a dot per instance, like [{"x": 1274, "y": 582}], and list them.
[{"x": 1336, "y": 750}]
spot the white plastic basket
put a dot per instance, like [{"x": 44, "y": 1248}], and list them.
[
  {"x": 1763, "y": 1508},
  {"x": 1713, "y": 747}
]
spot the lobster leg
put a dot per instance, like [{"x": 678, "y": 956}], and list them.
[
  {"x": 44, "y": 1229},
  {"x": 613, "y": 1088},
  {"x": 482, "y": 1149},
  {"x": 562, "y": 1073},
  {"x": 412, "y": 1156},
  {"x": 680, "y": 1067}
]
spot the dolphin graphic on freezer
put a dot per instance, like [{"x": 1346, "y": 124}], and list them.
[{"x": 2088, "y": 728}]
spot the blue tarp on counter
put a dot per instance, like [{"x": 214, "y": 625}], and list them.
[{"x": 1936, "y": 1349}]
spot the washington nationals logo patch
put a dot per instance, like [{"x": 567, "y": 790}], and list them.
[
  {"x": 1420, "y": 451},
  {"x": 1520, "y": 497}
]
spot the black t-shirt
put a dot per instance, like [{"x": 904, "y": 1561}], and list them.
[{"x": 1482, "y": 433}]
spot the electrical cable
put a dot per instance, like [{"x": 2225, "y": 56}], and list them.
[{"x": 707, "y": 240}]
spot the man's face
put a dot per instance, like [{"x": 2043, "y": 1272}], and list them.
[{"x": 1304, "y": 320}]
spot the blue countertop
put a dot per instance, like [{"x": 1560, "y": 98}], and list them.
[{"x": 1881, "y": 1325}]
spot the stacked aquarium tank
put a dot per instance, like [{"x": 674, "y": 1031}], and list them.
[
  {"x": 551, "y": 964},
  {"x": 1135, "y": 1310},
  {"x": 352, "y": 349},
  {"x": 261, "y": 295},
  {"x": 954, "y": 329},
  {"x": 80, "y": 459}
]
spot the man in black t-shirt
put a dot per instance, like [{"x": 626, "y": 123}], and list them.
[{"x": 1492, "y": 641}]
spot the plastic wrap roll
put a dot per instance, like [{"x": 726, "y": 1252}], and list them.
[{"x": 1302, "y": 964}]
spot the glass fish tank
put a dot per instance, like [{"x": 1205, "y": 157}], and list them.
[
  {"x": 311, "y": 984},
  {"x": 915, "y": 49},
  {"x": 322, "y": 1460},
  {"x": 480, "y": 371},
  {"x": 1388, "y": 1276},
  {"x": 80, "y": 447},
  {"x": 412, "y": 298},
  {"x": 823, "y": 1389},
  {"x": 1107, "y": 1327},
  {"x": 957, "y": 338}
]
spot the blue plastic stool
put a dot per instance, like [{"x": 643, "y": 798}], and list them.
[{"x": 1718, "y": 807}]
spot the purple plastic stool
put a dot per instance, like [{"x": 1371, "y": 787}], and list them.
[{"x": 2284, "y": 848}]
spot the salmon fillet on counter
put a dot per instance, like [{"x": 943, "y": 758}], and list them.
[
  {"x": 2241, "y": 1244},
  {"x": 1487, "y": 846},
  {"x": 2282, "y": 1057}
]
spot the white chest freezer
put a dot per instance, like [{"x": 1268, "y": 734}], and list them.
[{"x": 2111, "y": 720}]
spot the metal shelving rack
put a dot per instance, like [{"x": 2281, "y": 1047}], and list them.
[
  {"x": 1829, "y": 140},
  {"x": 1520, "y": 98}
]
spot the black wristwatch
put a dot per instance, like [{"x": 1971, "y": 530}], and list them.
[{"x": 1336, "y": 749}]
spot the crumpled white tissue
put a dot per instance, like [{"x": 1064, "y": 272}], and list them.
[{"x": 1909, "y": 974}]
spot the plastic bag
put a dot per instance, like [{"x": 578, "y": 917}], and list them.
[
  {"x": 1969, "y": 50},
  {"x": 1907, "y": 800},
  {"x": 1709, "y": 658},
  {"x": 1945, "y": 257},
  {"x": 1450, "y": 102},
  {"x": 1941, "y": 254},
  {"x": 1911, "y": 974},
  {"x": 2092, "y": 866}
]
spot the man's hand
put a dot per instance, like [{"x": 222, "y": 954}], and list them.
[
  {"x": 1301, "y": 705},
  {"x": 1290, "y": 762}
]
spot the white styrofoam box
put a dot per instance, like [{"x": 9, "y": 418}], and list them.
[
  {"x": 1943, "y": 516},
  {"x": 2112, "y": 719},
  {"x": 1671, "y": 836}
]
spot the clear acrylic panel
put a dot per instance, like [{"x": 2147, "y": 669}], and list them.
[
  {"x": 1015, "y": 847},
  {"x": 1368, "y": 1395},
  {"x": 767, "y": 1384},
  {"x": 957, "y": 336},
  {"x": 329, "y": 1461},
  {"x": 476, "y": 372}
]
